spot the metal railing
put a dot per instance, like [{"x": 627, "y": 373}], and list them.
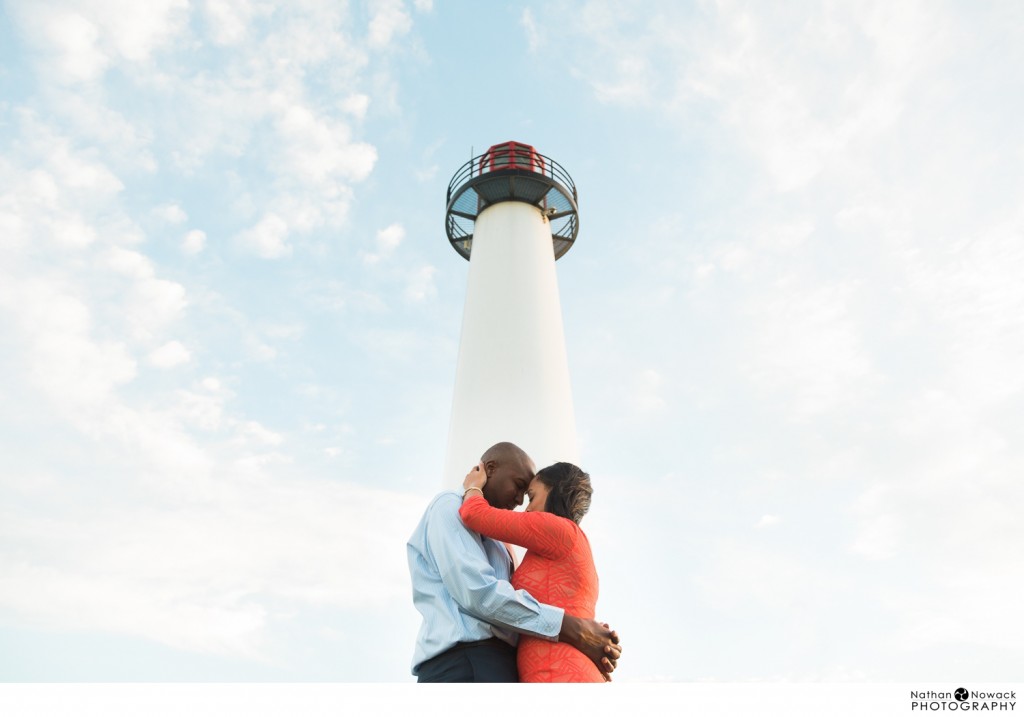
[{"x": 518, "y": 158}]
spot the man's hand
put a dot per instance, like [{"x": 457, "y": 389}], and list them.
[
  {"x": 476, "y": 478},
  {"x": 594, "y": 639}
]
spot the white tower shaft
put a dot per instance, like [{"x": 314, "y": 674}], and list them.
[{"x": 512, "y": 380}]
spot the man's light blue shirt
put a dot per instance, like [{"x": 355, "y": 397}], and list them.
[{"x": 460, "y": 586}]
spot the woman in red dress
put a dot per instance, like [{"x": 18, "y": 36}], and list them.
[{"x": 558, "y": 568}]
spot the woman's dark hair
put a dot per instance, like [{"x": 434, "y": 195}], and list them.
[{"x": 569, "y": 490}]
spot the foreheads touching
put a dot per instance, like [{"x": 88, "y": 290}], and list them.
[{"x": 563, "y": 488}]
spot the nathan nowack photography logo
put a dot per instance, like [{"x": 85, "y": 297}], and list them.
[{"x": 963, "y": 700}]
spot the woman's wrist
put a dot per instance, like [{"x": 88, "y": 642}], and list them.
[{"x": 465, "y": 493}]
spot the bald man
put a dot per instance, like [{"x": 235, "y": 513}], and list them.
[{"x": 472, "y": 616}]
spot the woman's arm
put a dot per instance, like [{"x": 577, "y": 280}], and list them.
[{"x": 543, "y": 533}]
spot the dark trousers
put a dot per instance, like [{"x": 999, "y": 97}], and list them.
[{"x": 485, "y": 661}]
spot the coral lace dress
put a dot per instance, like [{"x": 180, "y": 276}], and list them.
[{"x": 558, "y": 569}]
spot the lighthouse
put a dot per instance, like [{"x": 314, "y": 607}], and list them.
[{"x": 512, "y": 212}]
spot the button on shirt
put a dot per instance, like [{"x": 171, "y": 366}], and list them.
[{"x": 460, "y": 586}]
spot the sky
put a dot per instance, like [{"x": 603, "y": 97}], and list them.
[{"x": 229, "y": 319}]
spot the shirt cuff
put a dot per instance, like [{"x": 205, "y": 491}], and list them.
[{"x": 551, "y": 618}]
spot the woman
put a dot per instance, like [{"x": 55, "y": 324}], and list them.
[{"x": 558, "y": 568}]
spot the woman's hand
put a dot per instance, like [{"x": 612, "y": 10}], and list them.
[{"x": 476, "y": 478}]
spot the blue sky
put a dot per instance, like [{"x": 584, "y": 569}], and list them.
[{"x": 229, "y": 319}]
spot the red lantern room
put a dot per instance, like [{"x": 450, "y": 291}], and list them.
[
  {"x": 511, "y": 155},
  {"x": 512, "y": 172}
]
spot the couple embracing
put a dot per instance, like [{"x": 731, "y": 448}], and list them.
[{"x": 484, "y": 618}]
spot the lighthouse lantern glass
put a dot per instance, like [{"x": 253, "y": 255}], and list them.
[{"x": 511, "y": 155}]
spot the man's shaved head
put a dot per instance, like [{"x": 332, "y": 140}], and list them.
[
  {"x": 505, "y": 452},
  {"x": 509, "y": 472}
]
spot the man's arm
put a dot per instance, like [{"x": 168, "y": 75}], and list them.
[
  {"x": 594, "y": 639},
  {"x": 472, "y": 583}
]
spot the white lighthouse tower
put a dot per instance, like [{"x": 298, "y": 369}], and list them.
[{"x": 511, "y": 212}]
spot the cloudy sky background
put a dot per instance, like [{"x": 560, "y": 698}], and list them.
[{"x": 229, "y": 319}]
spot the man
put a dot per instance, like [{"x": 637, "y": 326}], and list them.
[{"x": 471, "y": 614}]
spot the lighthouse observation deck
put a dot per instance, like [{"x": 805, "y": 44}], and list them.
[{"x": 512, "y": 172}]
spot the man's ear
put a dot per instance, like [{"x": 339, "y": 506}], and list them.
[{"x": 489, "y": 467}]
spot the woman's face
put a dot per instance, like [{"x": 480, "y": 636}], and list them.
[{"x": 537, "y": 494}]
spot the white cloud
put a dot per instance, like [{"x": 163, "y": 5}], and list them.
[
  {"x": 429, "y": 168},
  {"x": 533, "y": 36},
  {"x": 165, "y": 565},
  {"x": 879, "y": 537},
  {"x": 253, "y": 430},
  {"x": 386, "y": 344},
  {"x": 171, "y": 213},
  {"x": 337, "y": 296},
  {"x": 387, "y": 241},
  {"x": 171, "y": 354},
  {"x": 72, "y": 232},
  {"x": 204, "y": 407},
  {"x": 64, "y": 362},
  {"x": 290, "y": 332},
  {"x": 630, "y": 84},
  {"x": 122, "y": 143},
  {"x": 79, "y": 170},
  {"x": 797, "y": 117},
  {"x": 312, "y": 157},
  {"x": 214, "y": 576},
  {"x": 318, "y": 148},
  {"x": 390, "y": 237},
  {"x": 152, "y": 304},
  {"x": 128, "y": 263},
  {"x": 257, "y": 350},
  {"x": 856, "y": 299},
  {"x": 808, "y": 347},
  {"x": 194, "y": 242},
  {"x": 356, "y": 105},
  {"x": 171, "y": 483},
  {"x": 136, "y": 32},
  {"x": 389, "y": 20},
  {"x": 83, "y": 39},
  {"x": 750, "y": 578},
  {"x": 228, "y": 20},
  {"x": 425, "y": 174},
  {"x": 74, "y": 42},
  {"x": 646, "y": 393},
  {"x": 420, "y": 286},
  {"x": 267, "y": 238}
]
